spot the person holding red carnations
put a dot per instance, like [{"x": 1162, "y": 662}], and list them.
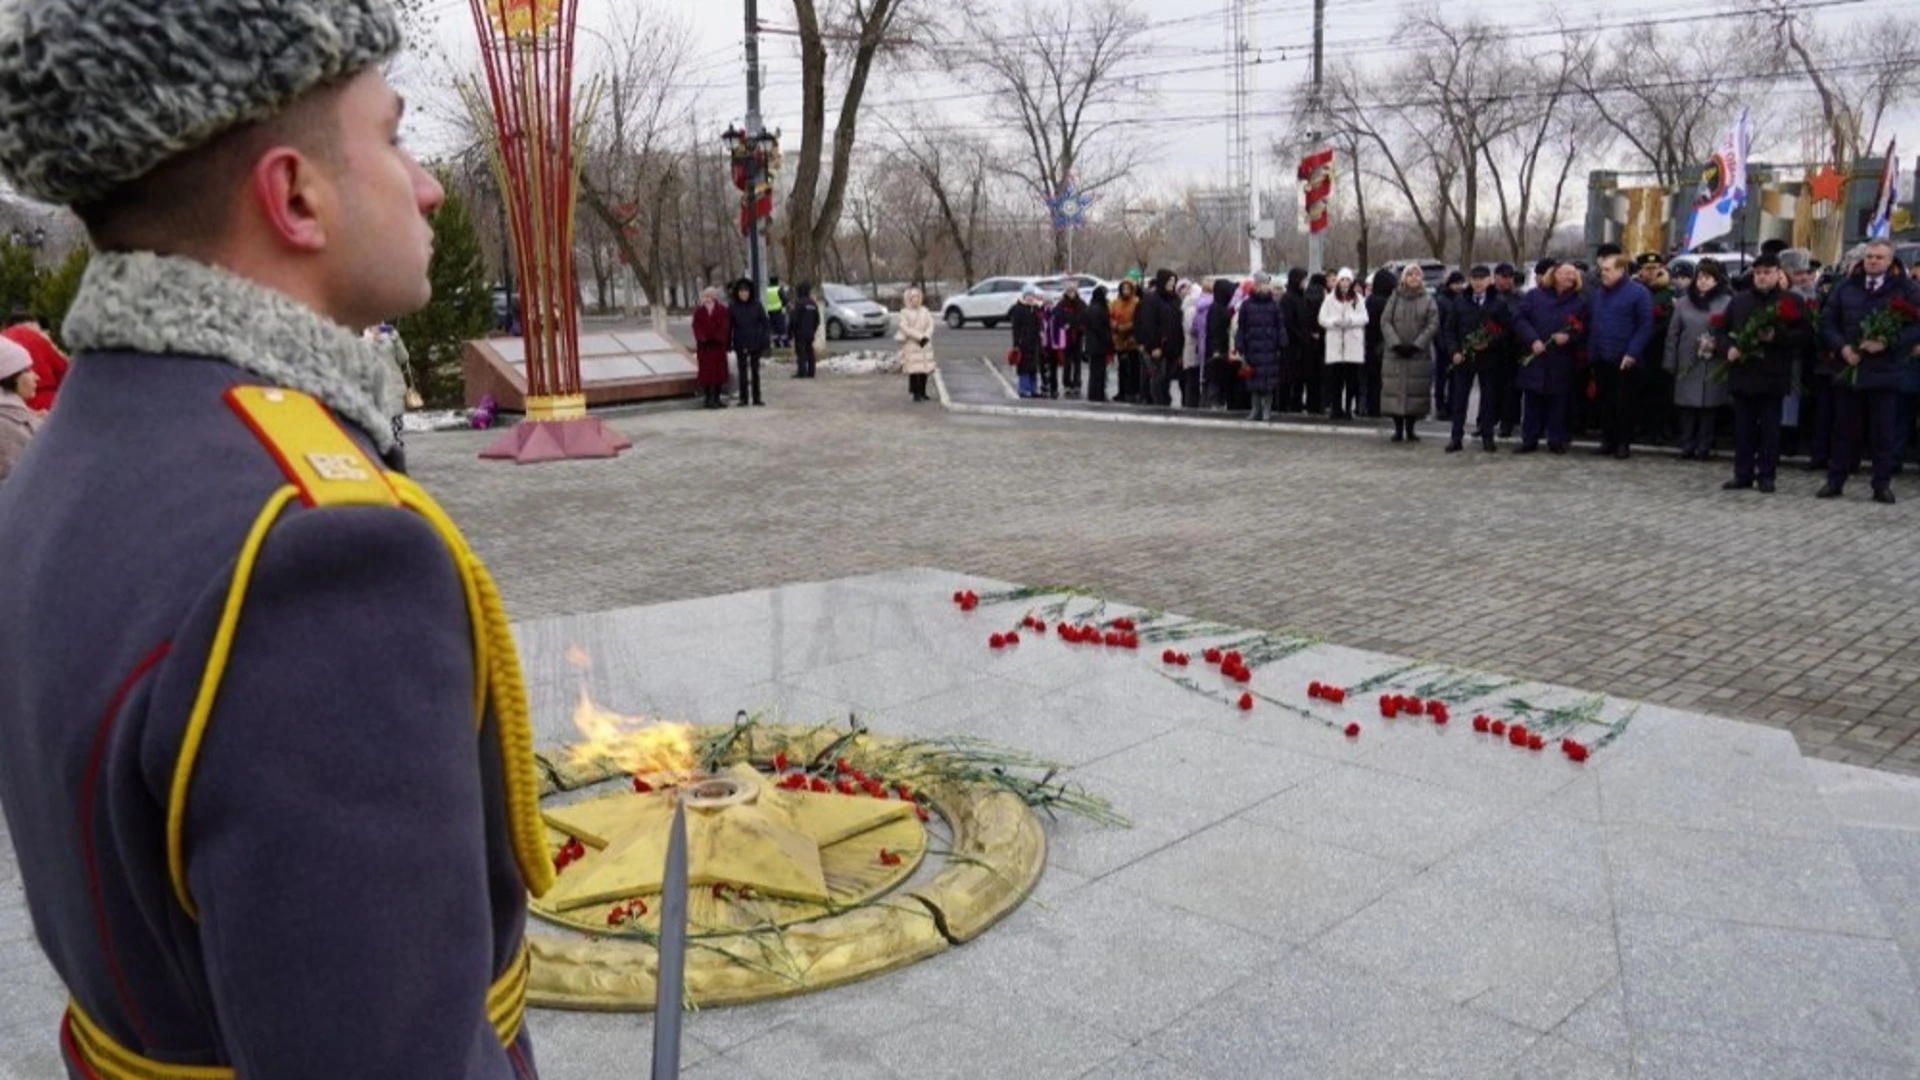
[
  {"x": 1872, "y": 323},
  {"x": 1551, "y": 327},
  {"x": 1769, "y": 331}
]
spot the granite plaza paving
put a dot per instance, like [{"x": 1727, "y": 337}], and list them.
[{"x": 1700, "y": 900}]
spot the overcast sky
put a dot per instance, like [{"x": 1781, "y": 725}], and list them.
[{"x": 1188, "y": 140}]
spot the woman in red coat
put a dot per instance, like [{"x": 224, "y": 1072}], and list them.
[{"x": 712, "y": 333}]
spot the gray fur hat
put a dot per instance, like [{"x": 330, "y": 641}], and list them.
[{"x": 96, "y": 93}]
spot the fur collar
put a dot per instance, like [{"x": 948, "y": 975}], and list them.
[{"x": 168, "y": 305}]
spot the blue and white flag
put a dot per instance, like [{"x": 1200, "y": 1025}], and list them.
[
  {"x": 1723, "y": 187},
  {"x": 1881, "y": 227}
]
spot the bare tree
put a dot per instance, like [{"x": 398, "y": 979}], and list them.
[
  {"x": 1858, "y": 78},
  {"x": 862, "y": 34},
  {"x": 1667, "y": 95},
  {"x": 1540, "y": 146},
  {"x": 954, "y": 170},
  {"x": 1059, "y": 75},
  {"x": 1142, "y": 222}
]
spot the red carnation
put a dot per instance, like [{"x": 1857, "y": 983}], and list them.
[
  {"x": 1313, "y": 689},
  {"x": 1790, "y": 308},
  {"x": 820, "y": 785},
  {"x": 1717, "y": 320},
  {"x": 1013, "y": 638},
  {"x": 888, "y": 858},
  {"x": 1336, "y": 695},
  {"x": 1212, "y": 655},
  {"x": 997, "y": 641},
  {"x": 1241, "y": 674},
  {"x": 1904, "y": 309},
  {"x": 842, "y": 764},
  {"x": 1574, "y": 750},
  {"x": 1113, "y": 637},
  {"x": 1517, "y": 735},
  {"x": 921, "y": 812},
  {"x": 1183, "y": 659},
  {"x": 1389, "y": 707},
  {"x": 1040, "y": 626},
  {"x": 905, "y": 792},
  {"x": 959, "y": 597},
  {"x": 1535, "y": 742},
  {"x": 794, "y": 781},
  {"x": 844, "y": 786},
  {"x": 1234, "y": 658},
  {"x": 1246, "y": 702},
  {"x": 1499, "y": 727},
  {"x": 1441, "y": 719},
  {"x": 616, "y": 917},
  {"x": 1481, "y": 723},
  {"x": 875, "y": 788},
  {"x": 1353, "y": 731},
  {"x": 780, "y": 761},
  {"x": 641, "y": 786},
  {"x": 1434, "y": 706},
  {"x": 1169, "y": 657}
]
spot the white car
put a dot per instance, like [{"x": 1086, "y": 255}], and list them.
[{"x": 988, "y": 302}]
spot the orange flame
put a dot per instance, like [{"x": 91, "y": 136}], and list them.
[{"x": 636, "y": 744}]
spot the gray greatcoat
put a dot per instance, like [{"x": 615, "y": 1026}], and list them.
[
  {"x": 1411, "y": 318},
  {"x": 1693, "y": 388}
]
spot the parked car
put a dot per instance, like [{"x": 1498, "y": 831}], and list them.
[
  {"x": 851, "y": 313},
  {"x": 988, "y": 302},
  {"x": 1086, "y": 283}
]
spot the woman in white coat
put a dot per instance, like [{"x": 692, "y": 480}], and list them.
[
  {"x": 915, "y": 335},
  {"x": 1343, "y": 315}
]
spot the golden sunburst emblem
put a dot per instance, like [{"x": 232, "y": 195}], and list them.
[{"x": 520, "y": 18}]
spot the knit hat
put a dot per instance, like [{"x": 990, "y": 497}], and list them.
[
  {"x": 97, "y": 93},
  {"x": 13, "y": 359}
]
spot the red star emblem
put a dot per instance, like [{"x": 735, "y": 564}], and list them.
[{"x": 1826, "y": 185}]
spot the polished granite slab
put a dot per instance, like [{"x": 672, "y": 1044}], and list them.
[{"x": 1695, "y": 900}]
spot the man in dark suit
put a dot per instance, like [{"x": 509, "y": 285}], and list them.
[
  {"x": 1481, "y": 328},
  {"x": 1867, "y": 382}
]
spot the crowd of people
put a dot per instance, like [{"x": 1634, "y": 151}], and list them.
[{"x": 1631, "y": 354}]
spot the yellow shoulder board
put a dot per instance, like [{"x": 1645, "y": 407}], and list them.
[{"x": 313, "y": 450}]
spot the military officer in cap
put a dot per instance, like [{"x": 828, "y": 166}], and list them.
[
  {"x": 1655, "y": 405},
  {"x": 264, "y": 750}
]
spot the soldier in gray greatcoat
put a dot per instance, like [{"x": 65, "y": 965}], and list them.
[{"x": 263, "y": 748}]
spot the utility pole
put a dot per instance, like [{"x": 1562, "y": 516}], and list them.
[
  {"x": 1316, "y": 242},
  {"x": 756, "y": 161},
  {"x": 1240, "y": 141}
]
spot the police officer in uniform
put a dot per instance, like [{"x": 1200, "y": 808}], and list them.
[{"x": 264, "y": 751}]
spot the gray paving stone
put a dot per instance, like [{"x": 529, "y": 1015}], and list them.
[
  {"x": 1503, "y": 955},
  {"x": 1315, "y": 1019},
  {"x": 1386, "y": 816},
  {"x": 1849, "y": 997},
  {"x": 1663, "y": 1055},
  {"x": 1744, "y": 877},
  {"x": 1600, "y": 1023},
  {"x": 1111, "y": 959},
  {"x": 1186, "y": 779},
  {"x": 950, "y": 1050},
  {"x": 1556, "y": 1059},
  {"x": 1235, "y": 872},
  {"x": 1547, "y": 859},
  {"x": 1867, "y": 797},
  {"x": 1889, "y": 864},
  {"x": 1135, "y": 1065},
  {"x": 586, "y": 1046}
]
